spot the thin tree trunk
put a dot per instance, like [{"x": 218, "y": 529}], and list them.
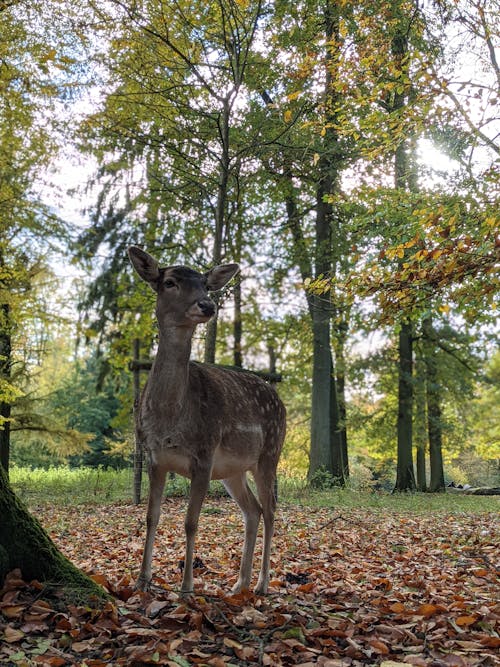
[
  {"x": 339, "y": 347},
  {"x": 420, "y": 422},
  {"x": 320, "y": 455},
  {"x": 405, "y": 477},
  {"x": 138, "y": 451},
  {"x": 336, "y": 439},
  {"x": 5, "y": 375},
  {"x": 220, "y": 221},
  {"x": 434, "y": 417},
  {"x": 237, "y": 296}
]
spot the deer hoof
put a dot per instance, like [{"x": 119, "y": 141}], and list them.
[
  {"x": 143, "y": 584},
  {"x": 261, "y": 588}
]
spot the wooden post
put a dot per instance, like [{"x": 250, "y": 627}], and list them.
[{"x": 138, "y": 452}]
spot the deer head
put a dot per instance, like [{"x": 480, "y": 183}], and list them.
[{"x": 182, "y": 293}]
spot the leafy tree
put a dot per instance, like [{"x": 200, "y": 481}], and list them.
[
  {"x": 485, "y": 430},
  {"x": 171, "y": 136},
  {"x": 91, "y": 409},
  {"x": 29, "y": 230}
]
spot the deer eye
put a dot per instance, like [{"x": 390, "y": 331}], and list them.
[{"x": 169, "y": 283}]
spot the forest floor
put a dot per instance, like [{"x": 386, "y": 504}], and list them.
[{"x": 350, "y": 587}]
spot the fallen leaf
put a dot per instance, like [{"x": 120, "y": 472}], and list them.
[
  {"x": 12, "y": 635},
  {"x": 465, "y": 620}
]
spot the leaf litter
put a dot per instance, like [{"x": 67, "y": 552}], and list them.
[{"x": 349, "y": 588}]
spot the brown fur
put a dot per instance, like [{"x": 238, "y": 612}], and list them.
[{"x": 205, "y": 422}]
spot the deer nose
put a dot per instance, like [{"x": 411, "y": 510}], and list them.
[{"x": 207, "y": 307}]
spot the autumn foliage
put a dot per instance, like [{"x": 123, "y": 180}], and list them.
[{"x": 350, "y": 587}]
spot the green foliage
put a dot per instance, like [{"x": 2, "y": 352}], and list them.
[
  {"x": 91, "y": 406},
  {"x": 484, "y": 426}
]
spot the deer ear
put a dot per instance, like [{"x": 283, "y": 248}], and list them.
[
  {"x": 220, "y": 276},
  {"x": 145, "y": 265}
]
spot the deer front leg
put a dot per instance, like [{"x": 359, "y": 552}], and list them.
[
  {"x": 156, "y": 485},
  {"x": 200, "y": 480}
]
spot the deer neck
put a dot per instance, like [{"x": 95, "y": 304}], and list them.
[{"x": 168, "y": 382}]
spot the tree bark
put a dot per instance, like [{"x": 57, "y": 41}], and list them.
[
  {"x": 237, "y": 295},
  {"x": 405, "y": 476},
  {"x": 420, "y": 421},
  {"x": 326, "y": 449},
  {"x": 434, "y": 417},
  {"x": 138, "y": 450},
  {"x": 403, "y": 178},
  {"x": 220, "y": 220},
  {"x": 339, "y": 346},
  {"x": 25, "y": 545},
  {"x": 5, "y": 375},
  {"x": 320, "y": 455}
]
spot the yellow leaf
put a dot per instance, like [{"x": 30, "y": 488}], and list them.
[
  {"x": 50, "y": 55},
  {"x": 287, "y": 116}
]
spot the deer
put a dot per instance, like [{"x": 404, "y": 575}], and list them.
[{"x": 204, "y": 422}]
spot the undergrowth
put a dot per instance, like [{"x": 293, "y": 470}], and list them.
[{"x": 76, "y": 486}]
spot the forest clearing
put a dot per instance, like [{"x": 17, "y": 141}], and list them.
[{"x": 364, "y": 585}]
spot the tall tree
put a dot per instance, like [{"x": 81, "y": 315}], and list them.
[
  {"x": 29, "y": 230},
  {"x": 434, "y": 408},
  {"x": 303, "y": 155},
  {"x": 171, "y": 133}
]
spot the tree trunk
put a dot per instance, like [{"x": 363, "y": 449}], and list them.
[
  {"x": 24, "y": 544},
  {"x": 336, "y": 434},
  {"x": 320, "y": 455},
  {"x": 237, "y": 322},
  {"x": 326, "y": 451},
  {"x": 138, "y": 450},
  {"x": 434, "y": 419},
  {"x": 220, "y": 220},
  {"x": 403, "y": 178},
  {"x": 420, "y": 422},
  {"x": 405, "y": 477},
  {"x": 339, "y": 339},
  {"x": 5, "y": 375}
]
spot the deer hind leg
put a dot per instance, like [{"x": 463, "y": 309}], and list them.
[
  {"x": 241, "y": 493},
  {"x": 200, "y": 479},
  {"x": 156, "y": 485},
  {"x": 265, "y": 476}
]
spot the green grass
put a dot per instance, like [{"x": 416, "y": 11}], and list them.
[
  {"x": 414, "y": 503},
  {"x": 75, "y": 486}
]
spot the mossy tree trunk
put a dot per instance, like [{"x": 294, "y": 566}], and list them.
[{"x": 25, "y": 545}]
